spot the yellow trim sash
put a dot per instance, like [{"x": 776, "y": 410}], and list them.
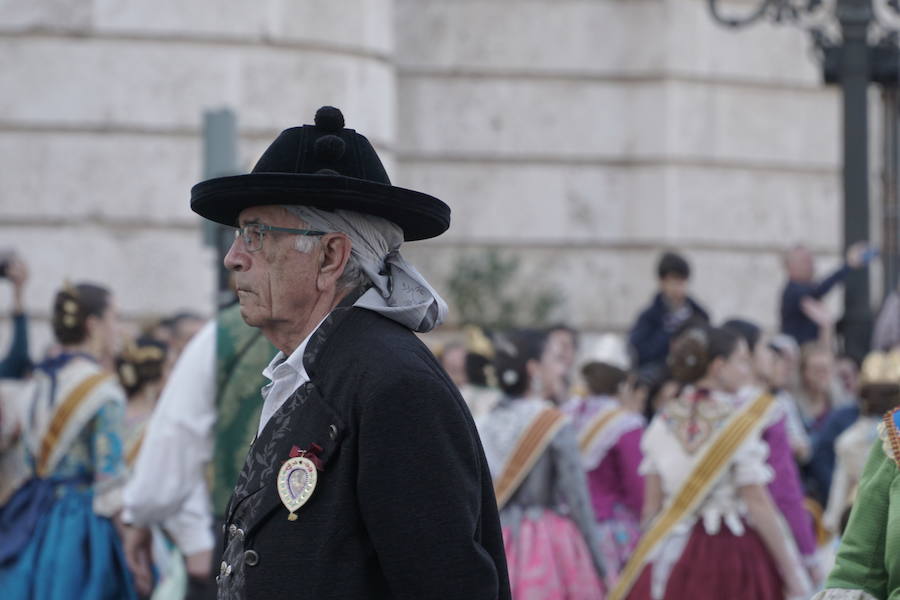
[
  {"x": 705, "y": 473},
  {"x": 597, "y": 425},
  {"x": 134, "y": 449},
  {"x": 528, "y": 449},
  {"x": 61, "y": 418}
]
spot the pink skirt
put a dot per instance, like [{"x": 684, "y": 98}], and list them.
[
  {"x": 548, "y": 559},
  {"x": 724, "y": 565},
  {"x": 618, "y": 537}
]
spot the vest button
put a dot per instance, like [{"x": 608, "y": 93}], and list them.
[
  {"x": 251, "y": 558},
  {"x": 332, "y": 431}
]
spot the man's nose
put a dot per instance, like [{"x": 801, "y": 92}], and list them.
[{"x": 236, "y": 259}]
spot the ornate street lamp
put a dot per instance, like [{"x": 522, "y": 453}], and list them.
[{"x": 857, "y": 44}]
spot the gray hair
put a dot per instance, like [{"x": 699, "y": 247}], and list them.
[
  {"x": 396, "y": 288},
  {"x": 353, "y": 276}
]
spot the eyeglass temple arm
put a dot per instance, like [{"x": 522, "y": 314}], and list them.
[{"x": 291, "y": 230}]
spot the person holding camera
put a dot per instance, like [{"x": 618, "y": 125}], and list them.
[{"x": 17, "y": 363}]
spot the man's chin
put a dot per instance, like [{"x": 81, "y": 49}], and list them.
[{"x": 248, "y": 316}]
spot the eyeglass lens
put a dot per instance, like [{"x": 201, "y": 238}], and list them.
[{"x": 251, "y": 235}]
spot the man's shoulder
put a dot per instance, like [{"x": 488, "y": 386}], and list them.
[
  {"x": 795, "y": 288},
  {"x": 653, "y": 310},
  {"x": 369, "y": 342},
  {"x": 371, "y": 330},
  {"x": 697, "y": 307}
]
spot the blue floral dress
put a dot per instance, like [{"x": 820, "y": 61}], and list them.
[{"x": 57, "y": 539}]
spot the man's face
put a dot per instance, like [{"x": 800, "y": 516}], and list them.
[
  {"x": 800, "y": 265},
  {"x": 277, "y": 283},
  {"x": 674, "y": 288}
]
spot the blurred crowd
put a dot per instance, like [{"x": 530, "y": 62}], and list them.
[
  {"x": 72, "y": 423},
  {"x": 643, "y": 420},
  {"x": 587, "y": 443}
]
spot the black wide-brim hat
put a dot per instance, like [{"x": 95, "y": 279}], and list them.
[{"x": 324, "y": 166}]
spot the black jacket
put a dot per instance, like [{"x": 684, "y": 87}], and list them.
[
  {"x": 794, "y": 321},
  {"x": 404, "y": 505},
  {"x": 651, "y": 333}
]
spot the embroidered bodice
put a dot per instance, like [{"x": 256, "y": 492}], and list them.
[
  {"x": 678, "y": 437},
  {"x": 89, "y": 449}
]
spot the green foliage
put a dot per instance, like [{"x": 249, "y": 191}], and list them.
[{"x": 484, "y": 292}]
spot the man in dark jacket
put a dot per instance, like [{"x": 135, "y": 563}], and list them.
[
  {"x": 801, "y": 284},
  {"x": 367, "y": 478},
  {"x": 670, "y": 310}
]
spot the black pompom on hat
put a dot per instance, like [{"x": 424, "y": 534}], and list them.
[
  {"x": 324, "y": 166},
  {"x": 329, "y": 118}
]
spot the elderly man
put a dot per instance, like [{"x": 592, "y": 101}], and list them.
[{"x": 367, "y": 478}]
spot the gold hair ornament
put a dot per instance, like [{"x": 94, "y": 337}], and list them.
[
  {"x": 477, "y": 342},
  {"x": 128, "y": 374}
]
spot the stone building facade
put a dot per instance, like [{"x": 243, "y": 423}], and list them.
[{"x": 583, "y": 136}]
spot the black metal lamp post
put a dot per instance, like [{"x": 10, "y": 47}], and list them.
[
  {"x": 858, "y": 44},
  {"x": 220, "y": 140}
]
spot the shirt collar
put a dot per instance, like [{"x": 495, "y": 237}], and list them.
[{"x": 292, "y": 366}]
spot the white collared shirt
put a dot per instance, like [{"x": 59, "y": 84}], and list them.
[
  {"x": 167, "y": 485},
  {"x": 285, "y": 375}
]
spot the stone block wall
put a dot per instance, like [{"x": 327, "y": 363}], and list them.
[
  {"x": 586, "y": 136},
  {"x": 101, "y": 127},
  {"x": 583, "y": 136}
]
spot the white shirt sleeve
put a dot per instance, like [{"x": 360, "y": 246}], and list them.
[
  {"x": 191, "y": 527},
  {"x": 179, "y": 437}
]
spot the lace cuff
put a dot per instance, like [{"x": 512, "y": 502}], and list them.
[{"x": 750, "y": 465}]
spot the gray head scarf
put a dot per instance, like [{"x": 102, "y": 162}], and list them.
[{"x": 399, "y": 291}]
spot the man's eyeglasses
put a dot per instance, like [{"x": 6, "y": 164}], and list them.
[{"x": 252, "y": 234}]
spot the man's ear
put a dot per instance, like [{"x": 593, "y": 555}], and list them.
[{"x": 333, "y": 257}]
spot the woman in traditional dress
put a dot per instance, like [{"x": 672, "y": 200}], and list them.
[
  {"x": 480, "y": 391},
  {"x": 786, "y": 487},
  {"x": 868, "y": 560},
  {"x": 548, "y": 526},
  {"x": 705, "y": 482},
  {"x": 878, "y": 394},
  {"x": 58, "y": 539},
  {"x": 827, "y": 413},
  {"x": 140, "y": 369},
  {"x": 609, "y": 439}
]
